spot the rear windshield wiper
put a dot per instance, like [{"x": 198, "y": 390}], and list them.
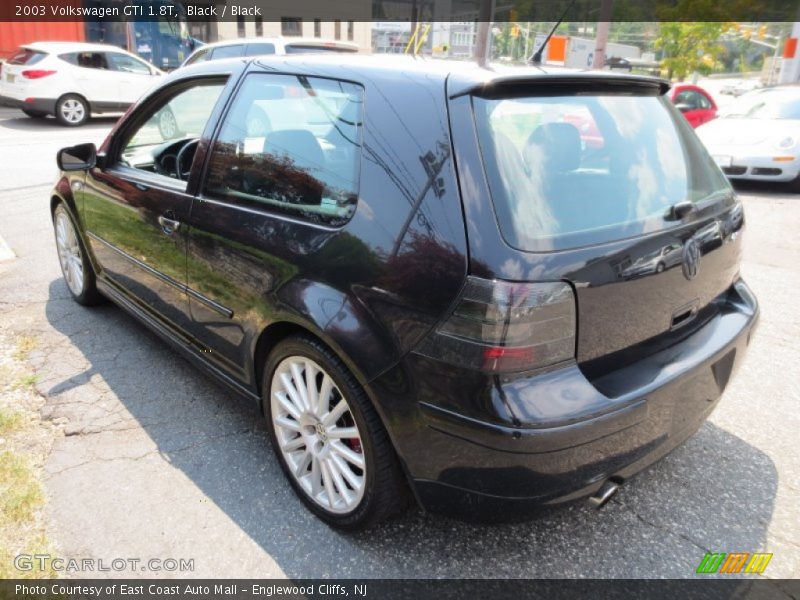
[{"x": 680, "y": 209}]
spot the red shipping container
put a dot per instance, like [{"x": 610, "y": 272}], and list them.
[{"x": 13, "y": 35}]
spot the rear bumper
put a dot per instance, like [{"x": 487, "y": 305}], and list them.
[
  {"x": 45, "y": 105},
  {"x": 564, "y": 436}
]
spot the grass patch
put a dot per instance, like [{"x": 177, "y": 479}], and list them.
[
  {"x": 20, "y": 490},
  {"x": 10, "y": 421},
  {"x": 25, "y": 345},
  {"x": 26, "y": 381}
]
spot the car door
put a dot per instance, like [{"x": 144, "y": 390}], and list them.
[
  {"x": 137, "y": 204},
  {"x": 133, "y": 76},
  {"x": 93, "y": 79},
  {"x": 270, "y": 201}
]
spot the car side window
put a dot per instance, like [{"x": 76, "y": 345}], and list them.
[
  {"x": 688, "y": 97},
  {"x": 703, "y": 101},
  {"x": 227, "y": 51},
  {"x": 127, "y": 64},
  {"x": 87, "y": 60},
  {"x": 165, "y": 139},
  {"x": 291, "y": 144}
]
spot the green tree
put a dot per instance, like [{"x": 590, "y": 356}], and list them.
[{"x": 690, "y": 46}]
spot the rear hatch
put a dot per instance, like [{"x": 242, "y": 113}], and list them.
[
  {"x": 605, "y": 186},
  {"x": 20, "y": 69}
]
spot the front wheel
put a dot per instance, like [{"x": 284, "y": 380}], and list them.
[
  {"x": 328, "y": 437},
  {"x": 75, "y": 266}
]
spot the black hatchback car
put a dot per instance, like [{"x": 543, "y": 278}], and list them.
[{"x": 495, "y": 290}]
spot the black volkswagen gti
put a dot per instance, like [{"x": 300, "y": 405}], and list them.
[{"x": 494, "y": 289}]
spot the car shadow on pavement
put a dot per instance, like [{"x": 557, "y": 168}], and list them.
[
  {"x": 715, "y": 493},
  {"x": 24, "y": 123},
  {"x": 764, "y": 187}
]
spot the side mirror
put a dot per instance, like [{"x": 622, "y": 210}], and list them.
[
  {"x": 683, "y": 107},
  {"x": 77, "y": 158}
]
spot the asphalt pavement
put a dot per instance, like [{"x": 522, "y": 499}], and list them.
[{"x": 158, "y": 461}]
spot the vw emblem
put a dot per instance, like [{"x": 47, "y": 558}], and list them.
[{"x": 691, "y": 259}]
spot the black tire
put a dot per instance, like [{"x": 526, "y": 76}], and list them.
[
  {"x": 72, "y": 110},
  {"x": 34, "y": 114},
  {"x": 87, "y": 295},
  {"x": 794, "y": 185},
  {"x": 386, "y": 490}
]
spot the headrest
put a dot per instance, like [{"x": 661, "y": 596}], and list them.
[{"x": 299, "y": 144}]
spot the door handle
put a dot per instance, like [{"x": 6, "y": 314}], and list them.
[{"x": 168, "y": 226}]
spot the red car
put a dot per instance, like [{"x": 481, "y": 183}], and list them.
[{"x": 694, "y": 102}]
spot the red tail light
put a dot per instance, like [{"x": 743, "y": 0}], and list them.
[
  {"x": 501, "y": 327},
  {"x": 37, "y": 73}
]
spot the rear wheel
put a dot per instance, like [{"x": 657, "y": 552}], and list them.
[
  {"x": 328, "y": 438},
  {"x": 72, "y": 110},
  {"x": 34, "y": 114},
  {"x": 75, "y": 266}
]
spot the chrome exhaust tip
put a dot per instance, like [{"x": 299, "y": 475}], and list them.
[{"x": 603, "y": 495}]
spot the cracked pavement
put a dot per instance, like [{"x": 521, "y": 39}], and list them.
[{"x": 158, "y": 461}]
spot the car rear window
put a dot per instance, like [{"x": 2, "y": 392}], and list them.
[
  {"x": 305, "y": 48},
  {"x": 569, "y": 171},
  {"x": 26, "y": 56},
  {"x": 260, "y": 48}
]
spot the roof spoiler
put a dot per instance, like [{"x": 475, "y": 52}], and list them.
[{"x": 552, "y": 84}]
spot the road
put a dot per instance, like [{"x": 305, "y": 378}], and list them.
[{"x": 157, "y": 461}]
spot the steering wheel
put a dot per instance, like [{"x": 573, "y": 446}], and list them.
[{"x": 184, "y": 175}]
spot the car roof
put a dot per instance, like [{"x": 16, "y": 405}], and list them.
[
  {"x": 72, "y": 47},
  {"x": 465, "y": 77},
  {"x": 280, "y": 40}
]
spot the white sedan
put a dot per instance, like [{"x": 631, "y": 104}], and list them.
[
  {"x": 757, "y": 137},
  {"x": 72, "y": 80}
]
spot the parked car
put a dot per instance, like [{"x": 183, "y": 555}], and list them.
[
  {"x": 694, "y": 102},
  {"x": 739, "y": 87},
  {"x": 72, "y": 81},
  {"x": 246, "y": 47},
  {"x": 398, "y": 284},
  {"x": 756, "y": 137}
]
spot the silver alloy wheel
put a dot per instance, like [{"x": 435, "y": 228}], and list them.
[
  {"x": 317, "y": 434},
  {"x": 73, "y": 110},
  {"x": 167, "y": 125},
  {"x": 69, "y": 252}
]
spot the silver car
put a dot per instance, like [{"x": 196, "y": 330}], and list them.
[{"x": 757, "y": 137}]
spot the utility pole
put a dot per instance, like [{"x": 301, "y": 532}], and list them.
[
  {"x": 602, "y": 34},
  {"x": 481, "y": 50}
]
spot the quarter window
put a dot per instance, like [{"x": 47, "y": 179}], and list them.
[{"x": 291, "y": 144}]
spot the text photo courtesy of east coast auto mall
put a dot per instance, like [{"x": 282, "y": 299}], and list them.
[{"x": 399, "y": 299}]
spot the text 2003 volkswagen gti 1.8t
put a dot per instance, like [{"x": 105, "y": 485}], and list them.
[{"x": 485, "y": 290}]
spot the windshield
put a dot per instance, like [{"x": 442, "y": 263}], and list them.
[
  {"x": 577, "y": 170},
  {"x": 764, "y": 105}
]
